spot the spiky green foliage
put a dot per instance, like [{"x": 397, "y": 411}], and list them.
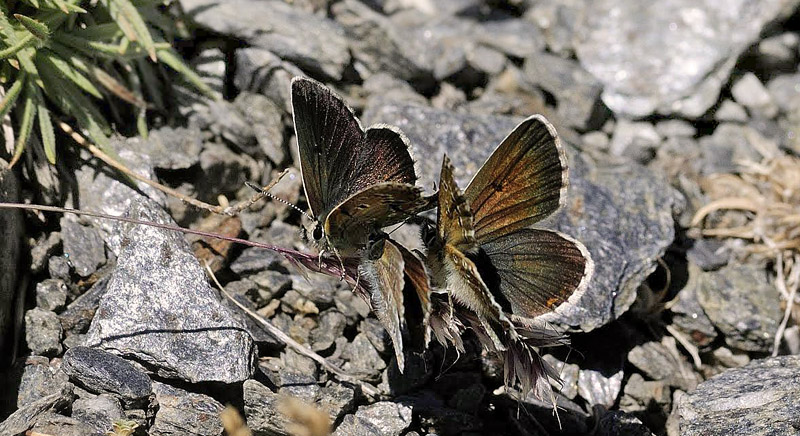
[{"x": 93, "y": 62}]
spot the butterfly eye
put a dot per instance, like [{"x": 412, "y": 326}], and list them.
[{"x": 317, "y": 233}]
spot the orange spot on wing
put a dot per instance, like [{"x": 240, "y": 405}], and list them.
[{"x": 552, "y": 301}]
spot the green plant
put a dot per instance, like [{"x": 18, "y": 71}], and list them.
[{"x": 82, "y": 60}]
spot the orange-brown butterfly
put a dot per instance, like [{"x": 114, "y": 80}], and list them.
[
  {"x": 357, "y": 182},
  {"x": 482, "y": 251}
]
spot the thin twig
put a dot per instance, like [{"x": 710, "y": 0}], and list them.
[
  {"x": 690, "y": 348},
  {"x": 286, "y": 339},
  {"x": 795, "y": 283}
]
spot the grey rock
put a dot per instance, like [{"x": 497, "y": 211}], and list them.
[
  {"x": 10, "y": 245},
  {"x": 622, "y": 212},
  {"x": 309, "y": 41},
  {"x": 270, "y": 284},
  {"x": 558, "y": 21},
  {"x": 336, "y": 400},
  {"x": 317, "y": 288},
  {"x": 725, "y": 357},
  {"x": 101, "y": 372},
  {"x": 644, "y": 396},
  {"x": 210, "y": 65},
  {"x": 779, "y": 50},
  {"x": 742, "y": 305},
  {"x": 730, "y": 111},
  {"x": 600, "y": 387},
  {"x": 687, "y": 314},
  {"x": 635, "y": 140},
  {"x": 83, "y": 245},
  {"x": 223, "y": 170},
  {"x": 518, "y": 38},
  {"x": 173, "y": 148},
  {"x": 293, "y": 381},
  {"x": 596, "y": 141},
  {"x": 763, "y": 398},
  {"x": 708, "y": 254},
  {"x": 568, "y": 372},
  {"x": 25, "y": 417},
  {"x": 375, "y": 42},
  {"x": 351, "y": 306},
  {"x": 729, "y": 144},
  {"x": 752, "y": 94},
  {"x": 663, "y": 361},
  {"x": 383, "y": 418},
  {"x": 39, "y": 379},
  {"x": 577, "y": 91},
  {"x": 489, "y": 60},
  {"x": 386, "y": 86},
  {"x": 79, "y": 314},
  {"x": 159, "y": 283},
  {"x": 43, "y": 249},
  {"x": 43, "y": 332},
  {"x": 675, "y": 128},
  {"x": 259, "y": 70},
  {"x": 261, "y": 410},
  {"x": 51, "y": 294},
  {"x": 681, "y": 56},
  {"x": 785, "y": 92},
  {"x": 99, "y": 412},
  {"x": 376, "y": 334},
  {"x": 449, "y": 97},
  {"x": 253, "y": 260},
  {"x": 617, "y": 422},
  {"x": 265, "y": 119},
  {"x": 331, "y": 325},
  {"x": 363, "y": 359},
  {"x": 54, "y": 424},
  {"x": 185, "y": 413},
  {"x": 59, "y": 267}
]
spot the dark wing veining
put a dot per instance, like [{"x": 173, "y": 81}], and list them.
[
  {"x": 337, "y": 157},
  {"x": 522, "y": 182},
  {"x": 534, "y": 271}
]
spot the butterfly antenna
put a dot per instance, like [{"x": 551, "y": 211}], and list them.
[{"x": 261, "y": 191}]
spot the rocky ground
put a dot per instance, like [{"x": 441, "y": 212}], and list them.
[{"x": 674, "y": 335}]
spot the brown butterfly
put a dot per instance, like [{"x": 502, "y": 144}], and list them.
[
  {"x": 357, "y": 182},
  {"x": 482, "y": 251}
]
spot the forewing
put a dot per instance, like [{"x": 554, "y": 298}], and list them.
[
  {"x": 384, "y": 279},
  {"x": 532, "y": 271},
  {"x": 454, "y": 221},
  {"x": 522, "y": 182},
  {"x": 337, "y": 158},
  {"x": 377, "y": 206}
]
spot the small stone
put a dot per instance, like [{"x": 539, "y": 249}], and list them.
[
  {"x": 617, "y": 422},
  {"x": 679, "y": 128},
  {"x": 785, "y": 92},
  {"x": 43, "y": 332},
  {"x": 58, "y": 267},
  {"x": 51, "y": 294},
  {"x": 636, "y": 140},
  {"x": 596, "y": 140},
  {"x": 568, "y": 372},
  {"x": 311, "y": 42},
  {"x": 261, "y": 409},
  {"x": 730, "y": 111},
  {"x": 174, "y": 148},
  {"x": 577, "y": 91},
  {"x": 26, "y": 416},
  {"x": 331, "y": 325},
  {"x": 84, "y": 246},
  {"x": 663, "y": 361},
  {"x": 751, "y": 93},
  {"x": 53, "y": 424},
  {"x": 725, "y": 357},
  {"x": 79, "y": 314},
  {"x": 488, "y": 60},
  {"x": 708, "y": 254},
  {"x": 645, "y": 396},
  {"x": 179, "y": 411},
  {"x": 336, "y": 399},
  {"x": 253, "y": 260},
  {"x": 363, "y": 358},
  {"x": 98, "y": 371},
  {"x": 687, "y": 314},
  {"x": 599, "y": 387},
  {"x": 742, "y": 305},
  {"x": 43, "y": 249},
  {"x": 39, "y": 379},
  {"x": 210, "y": 65},
  {"x": 759, "y": 399},
  {"x": 265, "y": 120},
  {"x": 383, "y": 418},
  {"x": 99, "y": 412},
  {"x": 729, "y": 144},
  {"x": 779, "y": 50}
]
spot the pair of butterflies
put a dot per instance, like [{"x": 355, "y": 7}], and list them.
[{"x": 483, "y": 266}]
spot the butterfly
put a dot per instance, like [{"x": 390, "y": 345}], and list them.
[
  {"x": 482, "y": 251},
  {"x": 356, "y": 183}
]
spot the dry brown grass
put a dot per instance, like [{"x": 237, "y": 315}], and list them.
[{"x": 760, "y": 205}]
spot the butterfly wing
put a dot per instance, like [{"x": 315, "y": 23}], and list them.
[
  {"x": 382, "y": 270},
  {"x": 337, "y": 158},
  {"x": 454, "y": 219},
  {"x": 377, "y": 206},
  {"x": 522, "y": 182},
  {"x": 417, "y": 315},
  {"x": 532, "y": 271}
]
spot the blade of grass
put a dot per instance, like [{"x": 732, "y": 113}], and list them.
[
  {"x": 11, "y": 95},
  {"x": 150, "y": 82},
  {"x": 25, "y": 127},
  {"x": 45, "y": 127},
  {"x": 133, "y": 25},
  {"x": 36, "y": 28},
  {"x": 174, "y": 61},
  {"x": 69, "y": 72}
]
